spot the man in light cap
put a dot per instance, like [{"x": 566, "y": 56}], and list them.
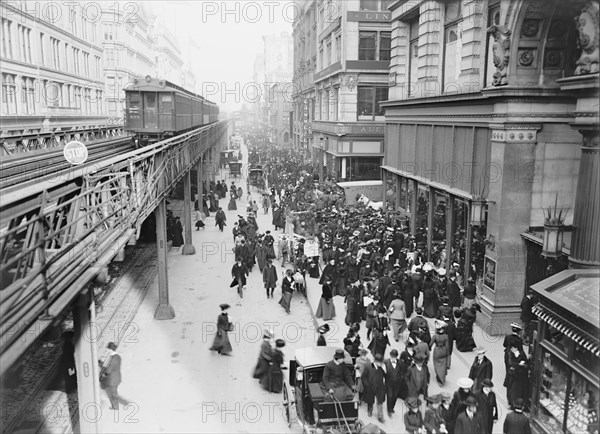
[
  {"x": 110, "y": 376},
  {"x": 337, "y": 379},
  {"x": 480, "y": 369}
]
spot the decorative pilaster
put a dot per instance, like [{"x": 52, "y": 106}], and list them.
[
  {"x": 585, "y": 247},
  {"x": 429, "y": 42}
]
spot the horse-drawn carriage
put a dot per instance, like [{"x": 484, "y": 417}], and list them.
[
  {"x": 235, "y": 169},
  {"x": 256, "y": 176},
  {"x": 315, "y": 409}
]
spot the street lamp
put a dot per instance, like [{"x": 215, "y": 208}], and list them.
[
  {"x": 554, "y": 223},
  {"x": 478, "y": 209}
]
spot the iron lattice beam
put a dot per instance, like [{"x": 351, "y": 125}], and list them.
[{"x": 55, "y": 238}]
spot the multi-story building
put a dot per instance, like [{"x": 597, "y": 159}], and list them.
[
  {"x": 51, "y": 67},
  {"x": 492, "y": 119},
  {"x": 352, "y": 42},
  {"x": 305, "y": 59},
  {"x": 273, "y": 75},
  {"x": 128, "y": 51},
  {"x": 167, "y": 55}
]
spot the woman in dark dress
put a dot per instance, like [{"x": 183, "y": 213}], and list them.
[
  {"x": 273, "y": 381},
  {"x": 205, "y": 207},
  {"x": 517, "y": 375},
  {"x": 430, "y": 297},
  {"x": 221, "y": 343},
  {"x": 232, "y": 205},
  {"x": 354, "y": 296},
  {"x": 464, "y": 331},
  {"x": 326, "y": 308}
]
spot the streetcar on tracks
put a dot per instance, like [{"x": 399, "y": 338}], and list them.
[
  {"x": 157, "y": 109},
  {"x": 305, "y": 399},
  {"x": 235, "y": 169}
]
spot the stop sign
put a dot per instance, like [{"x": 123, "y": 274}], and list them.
[{"x": 75, "y": 152}]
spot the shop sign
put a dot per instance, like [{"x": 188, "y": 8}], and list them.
[
  {"x": 489, "y": 273},
  {"x": 372, "y": 16}
]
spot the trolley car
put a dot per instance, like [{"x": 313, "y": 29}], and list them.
[{"x": 157, "y": 109}]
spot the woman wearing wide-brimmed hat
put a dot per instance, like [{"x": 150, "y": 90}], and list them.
[
  {"x": 433, "y": 420},
  {"x": 326, "y": 308},
  {"x": 221, "y": 343},
  {"x": 441, "y": 351}
]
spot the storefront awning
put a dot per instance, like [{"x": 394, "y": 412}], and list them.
[{"x": 568, "y": 329}]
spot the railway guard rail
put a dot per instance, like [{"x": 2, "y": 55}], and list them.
[
  {"x": 56, "y": 235},
  {"x": 11, "y": 144}
]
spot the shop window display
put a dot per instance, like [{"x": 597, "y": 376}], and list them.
[
  {"x": 438, "y": 249},
  {"x": 478, "y": 250},
  {"x": 422, "y": 219},
  {"x": 459, "y": 238},
  {"x": 565, "y": 393}
]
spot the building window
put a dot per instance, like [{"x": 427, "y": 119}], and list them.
[
  {"x": 93, "y": 32},
  {"x": 374, "y": 45},
  {"x": 7, "y": 51},
  {"x": 83, "y": 27},
  {"x": 55, "y": 52},
  {"x": 27, "y": 96},
  {"x": 86, "y": 64},
  {"x": 9, "y": 100},
  {"x": 367, "y": 45},
  {"x": 42, "y": 43},
  {"x": 97, "y": 66},
  {"x": 328, "y": 52},
  {"x": 338, "y": 48},
  {"x": 413, "y": 53},
  {"x": 24, "y": 43},
  {"x": 321, "y": 58},
  {"x": 369, "y": 99},
  {"x": 73, "y": 19},
  {"x": 336, "y": 96},
  {"x": 75, "y": 60},
  {"x": 325, "y": 110},
  {"x": 369, "y": 5},
  {"x": 452, "y": 46}
]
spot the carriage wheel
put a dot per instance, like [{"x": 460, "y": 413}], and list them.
[{"x": 286, "y": 404}]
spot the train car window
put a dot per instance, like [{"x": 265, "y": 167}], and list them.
[
  {"x": 166, "y": 98},
  {"x": 150, "y": 115}
]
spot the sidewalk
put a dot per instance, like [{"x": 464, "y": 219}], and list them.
[{"x": 461, "y": 362}]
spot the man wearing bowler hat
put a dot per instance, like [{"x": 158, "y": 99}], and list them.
[
  {"x": 488, "y": 408},
  {"x": 395, "y": 382},
  {"x": 373, "y": 380},
  {"x": 337, "y": 379},
  {"x": 469, "y": 421}
]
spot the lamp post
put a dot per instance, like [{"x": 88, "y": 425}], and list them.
[
  {"x": 554, "y": 223},
  {"x": 478, "y": 209}
]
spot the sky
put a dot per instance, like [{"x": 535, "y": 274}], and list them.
[{"x": 222, "y": 40}]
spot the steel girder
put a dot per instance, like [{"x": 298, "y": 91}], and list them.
[{"x": 56, "y": 237}]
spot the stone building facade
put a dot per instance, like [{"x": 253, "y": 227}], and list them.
[{"x": 490, "y": 109}]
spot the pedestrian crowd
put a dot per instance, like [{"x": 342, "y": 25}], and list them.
[{"x": 382, "y": 274}]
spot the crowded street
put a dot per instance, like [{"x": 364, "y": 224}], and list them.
[{"x": 173, "y": 381}]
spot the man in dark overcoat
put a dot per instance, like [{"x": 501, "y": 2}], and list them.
[
  {"x": 269, "y": 277},
  {"x": 373, "y": 380},
  {"x": 516, "y": 422},
  {"x": 488, "y": 406},
  {"x": 469, "y": 421},
  {"x": 395, "y": 373},
  {"x": 337, "y": 379},
  {"x": 480, "y": 369}
]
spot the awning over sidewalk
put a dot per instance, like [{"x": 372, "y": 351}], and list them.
[{"x": 568, "y": 329}]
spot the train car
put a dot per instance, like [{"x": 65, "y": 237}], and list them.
[{"x": 157, "y": 109}]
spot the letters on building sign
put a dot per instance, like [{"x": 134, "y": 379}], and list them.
[
  {"x": 354, "y": 16},
  {"x": 373, "y": 130}
]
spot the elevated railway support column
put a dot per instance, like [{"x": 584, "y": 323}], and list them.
[
  {"x": 164, "y": 310},
  {"x": 199, "y": 178},
  {"x": 86, "y": 363},
  {"x": 188, "y": 247}
]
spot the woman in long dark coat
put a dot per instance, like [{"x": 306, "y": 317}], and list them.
[
  {"x": 232, "y": 205},
  {"x": 221, "y": 343},
  {"x": 212, "y": 202},
  {"x": 517, "y": 376},
  {"x": 326, "y": 308},
  {"x": 264, "y": 357},
  {"x": 354, "y": 296},
  {"x": 464, "y": 332},
  {"x": 430, "y": 298},
  {"x": 441, "y": 352},
  {"x": 273, "y": 381},
  {"x": 407, "y": 295}
]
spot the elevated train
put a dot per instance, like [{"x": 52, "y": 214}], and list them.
[{"x": 157, "y": 109}]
